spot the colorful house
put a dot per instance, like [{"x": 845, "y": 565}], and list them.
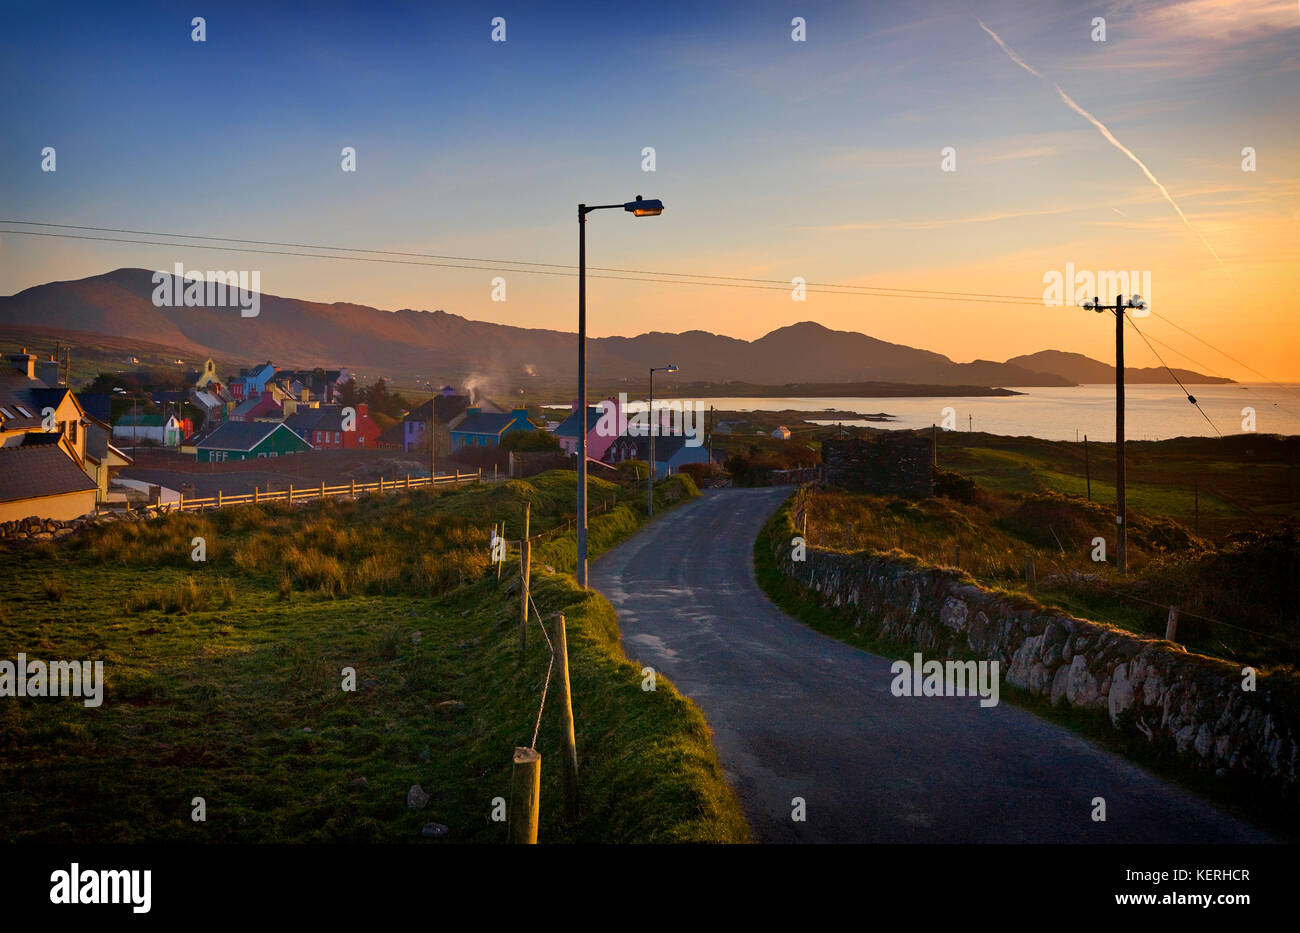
[
  {"x": 598, "y": 442},
  {"x": 243, "y": 440},
  {"x": 323, "y": 428},
  {"x": 486, "y": 428},
  {"x": 446, "y": 408},
  {"x": 671, "y": 453},
  {"x": 250, "y": 383}
]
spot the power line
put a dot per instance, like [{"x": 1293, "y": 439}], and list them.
[
  {"x": 491, "y": 268},
  {"x": 1209, "y": 370},
  {"x": 493, "y": 264},
  {"x": 1225, "y": 353},
  {"x": 562, "y": 269},
  {"x": 1190, "y": 397}
]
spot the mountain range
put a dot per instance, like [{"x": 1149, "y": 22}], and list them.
[{"x": 410, "y": 344}]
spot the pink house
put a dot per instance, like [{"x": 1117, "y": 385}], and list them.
[{"x": 598, "y": 441}]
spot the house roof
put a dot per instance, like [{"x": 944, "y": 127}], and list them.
[
  {"x": 32, "y": 471},
  {"x": 326, "y": 418},
  {"x": 666, "y": 446},
  {"x": 97, "y": 404},
  {"x": 18, "y": 393},
  {"x": 448, "y": 407},
  {"x": 239, "y": 435},
  {"x": 569, "y": 426},
  {"x": 487, "y": 422},
  {"x": 97, "y": 442}
]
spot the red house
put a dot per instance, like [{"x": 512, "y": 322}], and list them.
[{"x": 323, "y": 428}]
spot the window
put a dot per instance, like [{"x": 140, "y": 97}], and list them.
[
  {"x": 5, "y": 412},
  {"x": 24, "y": 412}
]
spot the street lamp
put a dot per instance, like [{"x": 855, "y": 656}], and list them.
[
  {"x": 1119, "y": 309},
  {"x": 637, "y": 208},
  {"x": 429, "y": 432},
  {"x": 650, "y": 482}
]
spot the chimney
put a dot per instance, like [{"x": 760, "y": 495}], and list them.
[{"x": 23, "y": 362}]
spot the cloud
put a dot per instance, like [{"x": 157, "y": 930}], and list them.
[{"x": 1107, "y": 134}]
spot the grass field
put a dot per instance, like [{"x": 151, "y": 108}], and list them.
[
  {"x": 1232, "y": 581},
  {"x": 224, "y": 680}
]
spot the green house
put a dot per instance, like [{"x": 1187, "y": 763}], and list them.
[{"x": 243, "y": 440}]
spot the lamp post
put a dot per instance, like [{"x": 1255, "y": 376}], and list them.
[
  {"x": 433, "y": 418},
  {"x": 1119, "y": 309},
  {"x": 637, "y": 208},
  {"x": 654, "y": 429}
]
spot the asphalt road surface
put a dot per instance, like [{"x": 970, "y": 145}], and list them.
[{"x": 797, "y": 714}]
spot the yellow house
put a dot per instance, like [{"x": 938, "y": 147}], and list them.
[
  {"x": 102, "y": 458},
  {"x": 43, "y": 479}
]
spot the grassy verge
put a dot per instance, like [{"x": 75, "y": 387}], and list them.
[
  {"x": 224, "y": 681},
  {"x": 1230, "y": 793}
]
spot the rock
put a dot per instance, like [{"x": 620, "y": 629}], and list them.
[
  {"x": 416, "y": 798},
  {"x": 1120, "y": 697},
  {"x": 434, "y": 830},
  {"x": 1081, "y": 686},
  {"x": 548, "y": 568},
  {"x": 359, "y": 783},
  {"x": 415, "y": 638},
  {"x": 451, "y": 706}
]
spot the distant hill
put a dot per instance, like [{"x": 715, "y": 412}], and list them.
[
  {"x": 1083, "y": 369},
  {"x": 407, "y": 345}
]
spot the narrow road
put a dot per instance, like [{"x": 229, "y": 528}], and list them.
[{"x": 798, "y": 714}]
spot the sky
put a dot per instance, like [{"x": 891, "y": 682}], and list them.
[{"x": 775, "y": 159}]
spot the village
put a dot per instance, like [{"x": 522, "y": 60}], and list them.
[{"x": 64, "y": 455}]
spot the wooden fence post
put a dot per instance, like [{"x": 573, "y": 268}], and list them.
[
  {"x": 254, "y": 494},
  {"x": 480, "y": 476},
  {"x": 180, "y": 505},
  {"x": 218, "y": 498},
  {"x": 494, "y": 472},
  {"x": 1171, "y": 625},
  {"x": 352, "y": 483},
  {"x": 290, "y": 499},
  {"x": 457, "y": 476},
  {"x": 525, "y": 575},
  {"x": 566, "y": 721},
  {"x": 525, "y": 796},
  {"x": 1031, "y": 580},
  {"x": 408, "y": 480},
  {"x": 322, "y": 489}
]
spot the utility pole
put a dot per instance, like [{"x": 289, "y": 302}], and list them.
[{"x": 1119, "y": 309}]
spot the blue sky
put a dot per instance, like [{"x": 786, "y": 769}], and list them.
[{"x": 775, "y": 158}]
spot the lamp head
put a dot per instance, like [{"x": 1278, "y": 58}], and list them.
[{"x": 643, "y": 208}]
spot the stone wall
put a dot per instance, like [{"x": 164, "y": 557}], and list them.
[
  {"x": 890, "y": 462},
  {"x": 1147, "y": 686}
]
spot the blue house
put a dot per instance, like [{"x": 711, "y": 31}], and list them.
[
  {"x": 486, "y": 428},
  {"x": 671, "y": 453}
]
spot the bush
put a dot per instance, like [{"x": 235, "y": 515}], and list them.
[
  {"x": 521, "y": 441},
  {"x": 698, "y": 472},
  {"x": 952, "y": 485}
]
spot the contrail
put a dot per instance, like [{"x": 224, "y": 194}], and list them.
[
  {"x": 1010, "y": 54},
  {"x": 1110, "y": 137}
]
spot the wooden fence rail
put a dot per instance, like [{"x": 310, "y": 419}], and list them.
[{"x": 322, "y": 491}]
